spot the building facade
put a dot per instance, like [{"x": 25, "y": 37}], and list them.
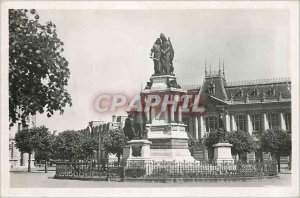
[
  {"x": 249, "y": 106},
  {"x": 17, "y": 158}
]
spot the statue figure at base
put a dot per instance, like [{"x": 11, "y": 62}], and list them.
[{"x": 133, "y": 129}]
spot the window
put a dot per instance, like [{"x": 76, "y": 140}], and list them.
[
  {"x": 211, "y": 123},
  {"x": 271, "y": 92},
  {"x": 257, "y": 122},
  {"x": 254, "y": 92},
  {"x": 288, "y": 121},
  {"x": 211, "y": 88},
  {"x": 274, "y": 120},
  {"x": 239, "y": 93},
  {"x": 241, "y": 123}
]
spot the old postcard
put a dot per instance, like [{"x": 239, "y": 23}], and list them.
[{"x": 150, "y": 99}]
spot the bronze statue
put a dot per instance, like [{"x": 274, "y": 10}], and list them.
[
  {"x": 128, "y": 129},
  {"x": 162, "y": 54},
  {"x": 156, "y": 55},
  {"x": 133, "y": 128},
  {"x": 222, "y": 130}
]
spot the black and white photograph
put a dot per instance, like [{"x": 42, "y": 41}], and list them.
[{"x": 149, "y": 99}]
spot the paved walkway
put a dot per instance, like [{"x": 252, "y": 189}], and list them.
[{"x": 38, "y": 179}]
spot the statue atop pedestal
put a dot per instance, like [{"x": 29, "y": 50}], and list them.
[
  {"x": 162, "y": 54},
  {"x": 222, "y": 130}
]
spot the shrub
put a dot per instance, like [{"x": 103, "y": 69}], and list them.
[{"x": 135, "y": 172}]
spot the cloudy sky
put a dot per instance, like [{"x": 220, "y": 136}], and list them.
[{"x": 108, "y": 50}]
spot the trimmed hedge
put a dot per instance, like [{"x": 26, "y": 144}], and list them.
[{"x": 135, "y": 172}]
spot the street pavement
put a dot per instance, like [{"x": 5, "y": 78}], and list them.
[{"x": 19, "y": 178}]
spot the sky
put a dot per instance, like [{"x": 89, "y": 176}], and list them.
[{"x": 109, "y": 51}]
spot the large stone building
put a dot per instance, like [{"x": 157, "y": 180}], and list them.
[
  {"x": 250, "y": 106},
  {"x": 17, "y": 158}
]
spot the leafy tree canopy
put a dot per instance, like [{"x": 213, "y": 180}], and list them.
[
  {"x": 241, "y": 141},
  {"x": 211, "y": 139},
  {"x": 113, "y": 142},
  {"x": 36, "y": 139},
  {"x": 89, "y": 146},
  {"x": 69, "y": 144},
  {"x": 38, "y": 72},
  {"x": 33, "y": 139},
  {"x": 277, "y": 142}
]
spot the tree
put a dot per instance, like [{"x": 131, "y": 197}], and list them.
[
  {"x": 56, "y": 148},
  {"x": 89, "y": 146},
  {"x": 69, "y": 145},
  {"x": 43, "y": 149},
  {"x": 210, "y": 140},
  {"x": 277, "y": 142},
  {"x": 242, "y": 142},
  {"x": 113, "y": 142},
  {"x": 33, "y": 139},
  {"x": 38, "y": 73}
]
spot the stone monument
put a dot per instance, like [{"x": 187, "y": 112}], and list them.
[
  {"x": 222, "y": 150},
  {"x": 137, "y": 149},
  {"x": 165, "y": 128},
  {"x": 163, "y": 136}
]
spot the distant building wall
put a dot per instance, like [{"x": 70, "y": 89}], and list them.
[{"x": 16, "y": 158}]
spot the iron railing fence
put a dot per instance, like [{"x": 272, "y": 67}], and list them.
[
  {"x": 106, "y": 170},
  {"x": 95, "y": 169}
]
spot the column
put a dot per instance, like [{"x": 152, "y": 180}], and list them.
[
  {"x": 249, "y": 124},
  {"x": 179, "y": 114},
  {"x": 265, "y": 122},
  {"x": 196, "y": 128},
  {"x": 233, "y": 123},
  {"x": 147, "y": 113},
  {"x": 166, "y": 117},
  {"x": 172, "y": 111},
  {"x": 282, "y": 122},
  {"x": 152, "y": 114},
  {"x": 227, "y": 122},
  {"x": 199, "y": 128},
  {"x": 202, "y": 126},
  {"x": 191, "y": 126}
]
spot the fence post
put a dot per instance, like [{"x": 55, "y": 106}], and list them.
[{"x": 107, "y": 170}]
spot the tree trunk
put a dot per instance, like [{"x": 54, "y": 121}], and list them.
[
  {"x": 46, "y": 166},
  {"x": 278, "y": 163},
  {"x": 29, "y": 162},
  {"x": 118, "y": 155}
]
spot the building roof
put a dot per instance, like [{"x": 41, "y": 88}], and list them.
[{"x": 275, "y": 89}]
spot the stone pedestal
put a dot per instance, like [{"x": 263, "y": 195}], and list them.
[
  {"x": 137, "y": 151},
  {"x": 169, "y": 142},
  {"x": 222, "y": 153},
  {"x": 167, "y": 134},
  {"x": 163, "y": 83}
]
